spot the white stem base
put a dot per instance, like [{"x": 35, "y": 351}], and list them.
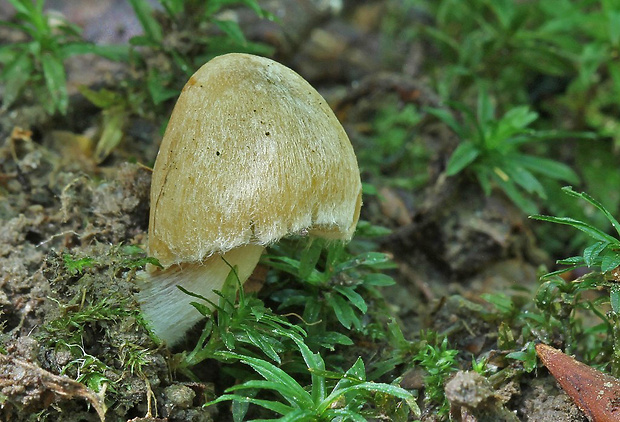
[{"x": 167, "y": 309}]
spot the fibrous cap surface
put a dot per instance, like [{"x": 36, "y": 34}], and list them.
[{"x": 252, "y": 153}]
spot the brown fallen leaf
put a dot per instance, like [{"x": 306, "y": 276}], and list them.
[
  {"x": 29, "y": 387},
  {"x": 595, "y": 393}
]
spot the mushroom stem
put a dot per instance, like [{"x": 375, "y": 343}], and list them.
[{"x": 168, "y": 309}]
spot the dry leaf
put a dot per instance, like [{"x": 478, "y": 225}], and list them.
[{"x": 595, "y": 393}]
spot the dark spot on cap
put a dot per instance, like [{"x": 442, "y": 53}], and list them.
[{"x": 217, "y": 153}]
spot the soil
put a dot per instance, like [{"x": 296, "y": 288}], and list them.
[{"x": 71, "y": 227}]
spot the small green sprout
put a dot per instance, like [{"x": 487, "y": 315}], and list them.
[
  {"x": 505, "y": 42},
  {"x": 348, "y": 399},
  {"x": 604, "y": 253},
  {"x": 134, "y": 357},
  {"x": 439, "y": 362},
  {"x": 391, "y": 152},
  {"x": 491, "y": 149},
  {"x": 88, "y": 369},
  {"x": 200, "y": 44},
  {"x": 480, "y": 366},
  {"x": 527, "y": 356},
  {"x": 38, "y": 62},
  {"x": 332, "y": 281},
  {"x": 560, "y": 298},
  {"x": 238, "y": 322},
  {"x": 70, "y": 325},
  {"x": 77, "y": 266}
]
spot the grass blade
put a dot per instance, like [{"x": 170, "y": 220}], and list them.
[
  {"x": 274, "y": 406},
  {"x": 282, "y": 382},
  {"x": 580, "y": 225},
  {"x": 569, "y": 191},
  {"x": 391, "y": 390}
]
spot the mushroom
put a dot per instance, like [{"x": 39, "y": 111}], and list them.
[{"x": 252, "y": 153}]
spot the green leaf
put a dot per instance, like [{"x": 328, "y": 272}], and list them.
[
  {"x": 528, "y": 206},
  {"x": 523, "y": 178},
  {"x": 144, "y": 13},
  {"x": 519, "y": 117},
  {"x": 391, "y": 390},
  {"x": 447, "y": 117},
  {"x": 157, "y": 89},
  {"x": 56, "y": 81},
  {"x": 573, "y": 260},
  {"x": 613, "y": 25},
  {"x": 442, "y": 37},
  {"x": 114, "y": 121},
  {"x": 213, "y": 6},
  {"x": 255, "y": 6},
  {"x": 309, "y": 258},
  {"x": 192, "y": 294},
  {"x": 262, "y": 342},
  {"x": 483, "y": 174},
  {"x": 103, "y": 98},
  {"x": 485, "y": 109},
  {"x": 502, "y": 302},
  {"x": 77, "y": 266},
  {"x": 298, "y": 415},
  {"x": 366, "y": 229},
  {"x": 202, "y": 308},
  {"x": 285, "y": 385},
  {"x": 357, "y": 371},
  {"x": 15, "y": 76},
  {"x": 335, "y": 254},
  {"x": 328, "y": 339},
  {"x": 368, "y": 189},
  {"x": 111, "y": 52},
  {"x": 465, "y": 154},
  {"x": 344, "y": 312},
  {"x": 378, "y": 279},
  {"x": 547, "y": 167},
  {"x": 614, "y": 298},
  {"x": 580, "y": 225},
  {"x": 143, "y": 41},
  {"x": 355, "y": 298},
  {"x": 337, "y": 375},
  {"x": 370, "y": 259},
  {"x": 239, "y": 409},
  {"x": 505, "y": 12},
  {"x": 569, "y": 191},
  {"x": 232, "y": 29},
  {"x": 274, "y": 406},
  {"x": 314, "y": 361},
  {"x": 94, "y": 380},
  {"x": 291, "y": 266},
  {"x": 25, "y": 7},
  {"x": 312, "y": 310},
  {"x": 355, "y": 375},
  {"x": 610, "y": 261},
  {"x": 592, "y": 252},
  {"x": 344, "y": 415}
]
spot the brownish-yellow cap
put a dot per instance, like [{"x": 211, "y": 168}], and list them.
[{"x": 252, "y": 153}]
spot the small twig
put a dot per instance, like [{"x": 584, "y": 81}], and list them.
[{"x": 34, "y": 380}]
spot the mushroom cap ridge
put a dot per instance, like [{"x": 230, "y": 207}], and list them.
[{"x": 252, "y": 153}]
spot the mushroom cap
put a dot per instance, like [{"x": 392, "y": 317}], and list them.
[{"x": 252, "y": 153}]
